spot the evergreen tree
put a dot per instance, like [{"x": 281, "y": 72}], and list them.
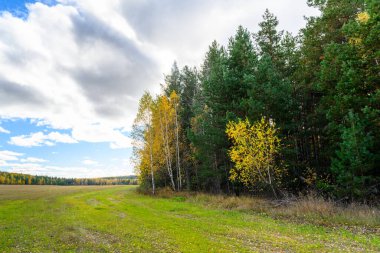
[
  {"x": 208, "y": 138},
  {"x": 268, "y": 39},
  {"x": 354, "y": 160},
  {"x": 173, "y": 81},
  {"x": 348, "y": 79},
  {"x": 240, "y": 65},
  {"x": 190, "y": 84}
]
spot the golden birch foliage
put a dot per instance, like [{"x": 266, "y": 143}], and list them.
[
  {"x": 164, "y": 134},
  {"x": 160, "y": 125},
  {"x": 157, "y": 138},
  {"x": 363, "y": 17},
  {"x": 255, "y": 147},
  {"x": 144, "y": 160},
  {"x": 166, "y": 120},
  {"x": 143, "y": 138}
]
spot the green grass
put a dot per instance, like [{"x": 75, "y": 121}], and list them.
[{"x": 117, "y": 219}]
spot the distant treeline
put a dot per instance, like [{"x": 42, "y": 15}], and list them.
[{"x": 24, "y": 179}]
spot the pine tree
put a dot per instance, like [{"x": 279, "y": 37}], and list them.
[
  {"x": 173, "y": 81},
  {"x": 354, "y": 160},
  {"x": 208, "y": 138}
]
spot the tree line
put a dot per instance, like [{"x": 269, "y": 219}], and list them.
[
  {"x": 272, "y": 112},
  {"x": 25, "y": 179}
]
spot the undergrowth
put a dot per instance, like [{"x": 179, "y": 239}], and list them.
[{"x": 304, "y": 209}]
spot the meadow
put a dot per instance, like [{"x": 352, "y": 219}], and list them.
[{"x": 119, "y": 219}]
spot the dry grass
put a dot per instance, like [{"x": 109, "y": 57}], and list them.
[
  {"x": 317, "y": 210},
  {"x": 305, "y": 209}
]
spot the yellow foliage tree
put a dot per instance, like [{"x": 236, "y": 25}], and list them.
[
  {"x": 157, "y": 140},
  {"x": 144, "y": 139},
  {"x": 254, "y": 150},
  {"x": 165, "y": 122},
  {"x": 363, "y": 17}
]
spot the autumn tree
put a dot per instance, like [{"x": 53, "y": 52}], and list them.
[
  {"x": 165, "y": 122},
  {"x": 254, "y": 152},
  {"x": 143, "y": 133}
]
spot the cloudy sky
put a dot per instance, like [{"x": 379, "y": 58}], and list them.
[{"x": 72, "y": 71}]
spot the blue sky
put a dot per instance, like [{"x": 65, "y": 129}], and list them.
[
  {"x": 72, "y": 72},
  {"x": 18, "y": 7},
  {"x": 13, "y": 5}
]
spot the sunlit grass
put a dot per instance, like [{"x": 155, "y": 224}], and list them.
[{"x": 117, "y": 219}]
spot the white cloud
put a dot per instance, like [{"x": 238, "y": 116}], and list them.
[
  {"x": 41, "y": 139},
  {"x": 85, "y": 62},
  {"x": 90, "y": 162},
  {"x": 65, "y": 171},
  {"x": 33, "y": 160},
  {"x": 7, "y": 155},
  {"x": 70, "y": 66},
  {"x": 99, "y": 133},
  {"x": 5, "y": 131},
  {"x": 183, "y": 30}
]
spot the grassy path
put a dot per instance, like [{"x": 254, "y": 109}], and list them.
[{"x": 116, "y": 219}]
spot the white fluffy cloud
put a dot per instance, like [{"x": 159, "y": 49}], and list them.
[
  {"x": 71, "y": 67},
  {"x": 14, "y": 162},
  {"x": 90, "y": 162},
  {"x": 67, "y": 172},
  {"x": 84, "y": 62},
  {"x": 41, "y": 139},
  {"x": 33, "y": 160},
  {"x": 4, "y": 131},
  {"x": 100, "y": 133},
  {"x": 6, "y": 155}
]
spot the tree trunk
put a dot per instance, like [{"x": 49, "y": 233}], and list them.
[
  {"x": 151, "y": 161},
  {"x": 179, "y": 184},
  {"x": 270, "y": 183},
  {"x": 164, "y": 132}
]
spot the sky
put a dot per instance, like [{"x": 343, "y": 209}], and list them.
[{"x": 72, "y": 72}]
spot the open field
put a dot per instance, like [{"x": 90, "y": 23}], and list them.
[{"x": 117, "y": 219}]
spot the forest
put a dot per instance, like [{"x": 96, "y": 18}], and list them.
[
  {"x": 272, "y": 113},
  {"x": 25, "y": 179}
]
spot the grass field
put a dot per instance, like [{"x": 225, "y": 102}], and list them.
[{"x": 117, "y": 219}]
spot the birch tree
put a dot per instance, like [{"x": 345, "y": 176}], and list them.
[
  {"x": 174, "y": 100},
  {"x": 143, "y": 133},
  {"x": 255, "y": 147},
  {"x": 165, "y": 121}
]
